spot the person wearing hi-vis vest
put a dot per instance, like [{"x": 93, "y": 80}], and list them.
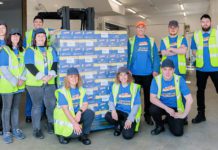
[
  {"x": 3, "y": 35},
  {"x": 124, "y": 105},
  {"x": 144, "y": 63},
  {"x": 204, "y": 46},
  {"x": 174, "y": 47},
  {"x": 12, "y": 83},
  {"x": 166, "y": 94},
  {"x": 41, "y": 65},
  {"x": 38, "y": 22},
  {"x": 72, "y": 118}
]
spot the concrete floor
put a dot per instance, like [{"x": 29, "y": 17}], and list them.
[{"x": 202, "y": 136}]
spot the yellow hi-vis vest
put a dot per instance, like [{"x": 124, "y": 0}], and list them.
[
  {"x": 62, "y": 125},
  {"x": 29, "y": 37},
  {"x": 181, "y": 57},
  {"x": 39, "y": 63},
  {"x": 6, "y": 86},
  {"x": 132, "y": 44},
  {"x": 158, "y": 79},
  {"x": 21, "y": 68},
  {"x": 133, "y": 90},
  {"x": 213, "y": 48}
]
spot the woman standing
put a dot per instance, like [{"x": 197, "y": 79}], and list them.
[
  {"x": 3, "y": 33},
  {"x": 12, "y": 85},
  {"x": 72, "y": 118},
  {"x": 41, "y": 63},
  {"x": 124, "y": 105}
]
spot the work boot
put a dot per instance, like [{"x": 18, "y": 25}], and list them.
[
  {"x": 199, "y": 118},
  {"x": 37, "y": 133},
  {"x": 157, "y": 130},
  {"x": 63, "y": 140},
  {"x": 117, "y": 130},
  {"x": 85, "y": 140}
]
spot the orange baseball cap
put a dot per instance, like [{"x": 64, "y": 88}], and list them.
[{"x": 140, "y": 23}]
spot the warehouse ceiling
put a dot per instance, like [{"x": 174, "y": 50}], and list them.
[
  {"x": 10, "y": 4},
  {"x": 152, "y": 8}
]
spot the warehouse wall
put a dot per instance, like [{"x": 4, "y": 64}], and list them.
[{"x": 54, "y": 5}]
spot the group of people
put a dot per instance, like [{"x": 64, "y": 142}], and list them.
[{"x": 32, "y": 64}]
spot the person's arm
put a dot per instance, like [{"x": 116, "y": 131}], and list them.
[
  {"x": 53, "y": 71},
  {"x": 135, "y": 108},
  {"x": 8, "y": 75},
  {"x": 188, "y": 105},
  {"x": 128, "y": 50},
  {"x": 187, "y": 94},
  {"x": 29, "y": 64},
  {"x": 182, "y": 49},
  {"x": 164, "y": 50},
  {"x": 156, "y": 59},
  {"x": 193, "y": 46},
  {"x": 4, "y": 63}
]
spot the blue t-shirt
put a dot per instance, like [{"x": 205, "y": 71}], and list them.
[
  {"x": 4, "y": 55},
  {"x": 173, "y": 44},
  {"x": 75, "y": 94},
  {"x": 2, "y": 42},
  {"x": 124, "y": 99},
  {"x": 141, "y": 63},
  {"x": 29, "y": 57},
  {"x": 206, "y": 56},
  {"x": 168, "y": 91}
]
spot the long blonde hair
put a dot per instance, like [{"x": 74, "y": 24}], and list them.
[{"x": 67, "y": 83}]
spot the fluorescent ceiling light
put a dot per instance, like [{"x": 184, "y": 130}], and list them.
[
  {"x": 1, "y": 3},
  {"x": 184, "y": 14},
  {"x": 143, "y": 17},
  {"x": 131, "y": 10},
  {"x": 182, "y": 6},
  {"x": 117, "y": 2}
]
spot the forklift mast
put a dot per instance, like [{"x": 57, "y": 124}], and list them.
[{"x": 86, "y": 15}]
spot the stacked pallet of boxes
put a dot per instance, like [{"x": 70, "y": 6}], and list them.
[{"x": 97, "y": 55}]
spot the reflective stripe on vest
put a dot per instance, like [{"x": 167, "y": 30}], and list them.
[
  {"x": 213, "y": 48},
  {"x": 158, "y": 79},
  {"x": 29, "y": 37},
  {"x": 13, "y": 67},
  {"x": 62, "y": 125},
  {"x": 39, "y": 63},
  {"x": 132, "y": 44},
  {"x": 181, "y": 57},
  {"x": 133, "y": 90}
]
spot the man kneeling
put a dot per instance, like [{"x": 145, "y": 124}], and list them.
[{"x": 166, "y": 98}]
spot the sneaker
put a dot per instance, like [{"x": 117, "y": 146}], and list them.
[
  {"x": 199, "y": 118},
  {"x": 50, "y": 128},
  {"x": 18, "y": 134},
  {"x": 7, "y": 137},
  {"x": 37, "y": 133},
  {"x": 63, "y": 140}
]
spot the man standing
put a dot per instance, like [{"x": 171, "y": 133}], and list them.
[
  {"x": 174, "y": 47},
  {"x": 205, "y": 47},
  {"x": 143, "y": 62}
]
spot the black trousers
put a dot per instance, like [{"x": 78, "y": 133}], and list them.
[
  {"x": 145, "y": 82},
  {"x": 176, "y": 126},
  {"x": 122, "y": 117},
  {"x": 1, "y": 105},
  {"x": 201, "y": 85}
]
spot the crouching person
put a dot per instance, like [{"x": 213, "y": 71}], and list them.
[
  {"x": 166, "y": 94},
  {"x": 71, "y": 117},
  {"x": 124, "y": 105}
]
